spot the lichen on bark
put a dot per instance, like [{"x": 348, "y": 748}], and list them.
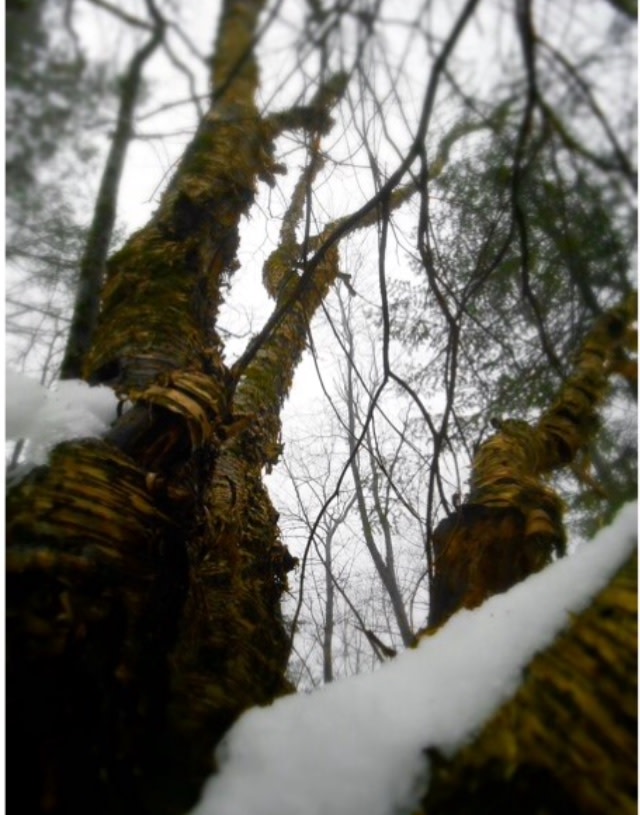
[
  {"x": 566, "y": 742},
  {"x": 510, "y": 524}
]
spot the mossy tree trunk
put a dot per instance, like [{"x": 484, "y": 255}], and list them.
[
  {"x": 100, "y": 233},
  {"x": 510, "y": 524},
  {"x": 145, "y": 570},
  {"x": 567, "y": 741}
]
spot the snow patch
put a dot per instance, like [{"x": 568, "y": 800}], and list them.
[
  {"x": 45, "y": 417},
  {"x": 357, "y": 746}
]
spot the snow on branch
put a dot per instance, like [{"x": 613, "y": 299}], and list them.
[
  {"x": 358, "y": 745},
  {"x": 45, "y": 417}
]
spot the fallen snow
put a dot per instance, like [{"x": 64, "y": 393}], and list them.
[
  {"x": 45, "y": 417},
  {"x": 357, "y": 746}
]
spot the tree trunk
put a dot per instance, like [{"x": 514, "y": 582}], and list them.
[
  {"x": 94, "y": 258},
  {"x": 327, "y": 631},
  {"x": 567, "y": 741},
  {"x": 145, "y": 570},
  {"x": 384, "y": 564},
  {"x": 511, "y": 523}
]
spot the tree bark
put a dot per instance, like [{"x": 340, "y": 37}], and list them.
[
  {"x": 145, "y": 570},
  {"x": 567, "y": 741},
  {"x": 511, "y": 523}
]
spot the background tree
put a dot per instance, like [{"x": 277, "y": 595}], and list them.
[
  {"x": 55, "y": 99},
  {"x": 146, "y": 569}
]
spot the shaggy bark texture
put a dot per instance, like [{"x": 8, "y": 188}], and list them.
[
  {"x": 567, "y": 741},
  {"x": 511, "y": 522}
]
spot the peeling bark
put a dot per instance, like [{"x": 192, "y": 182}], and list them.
[
  {"x": 567, "y": 741},
  {"x": 144, "y": 572},
  {"x": 511, "y": 522}
]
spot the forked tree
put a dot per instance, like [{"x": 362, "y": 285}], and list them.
[{"x": 146, "y": 569}]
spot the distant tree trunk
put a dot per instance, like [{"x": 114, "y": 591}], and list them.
[
  {"x": 94, "y": 258},
  {"x": 384, "y": 564},
  {"x": 329, "y": 609},
  {"x": 567, "y": 741},
  {"x": 511, "y": 523}
]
